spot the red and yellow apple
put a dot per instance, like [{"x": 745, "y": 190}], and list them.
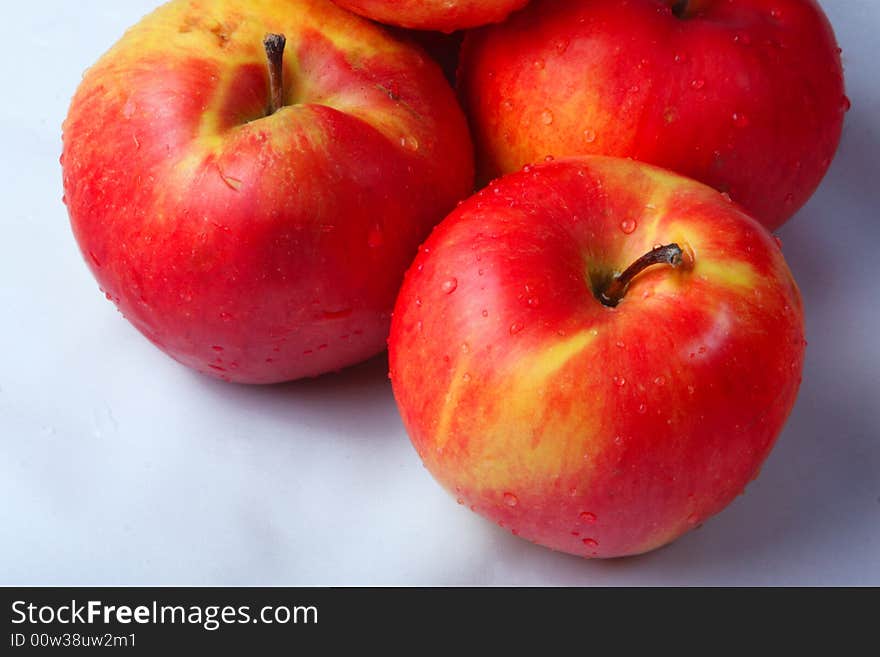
[
  {"x": 597, "y": 354},
  {"x": 744, "y": 95},
  {"x": 440, "y": 15},
  {"x": 258, "y": 240}
]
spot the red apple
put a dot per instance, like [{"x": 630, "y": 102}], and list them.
[
  {"x": 744, "y": 95},
  {"x": 440, "y": 15},
  {"x": 597, "y": 354},
  {"x": 253, "y": 239}
]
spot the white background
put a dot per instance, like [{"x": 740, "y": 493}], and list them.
[{"x": 119, "y": 466}]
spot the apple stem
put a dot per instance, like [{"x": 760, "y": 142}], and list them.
[
  {"x": 274, "y": 45},
  {"x": 613, "y": 294}
]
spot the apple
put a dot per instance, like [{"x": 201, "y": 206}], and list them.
[
  {"x": 744, "y": 95},
  {"x": 440, "y": 15},
  {"x": 253, "y": 212},
  {"x": 442, "y": 47},
  {"x": 597, "y": 354}
]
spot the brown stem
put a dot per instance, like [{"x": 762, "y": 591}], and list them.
[
  {"x": 613, "y": 294},
  {"x": 274, "y": 45}
]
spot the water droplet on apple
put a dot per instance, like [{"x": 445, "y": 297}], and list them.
[
  {"x": 691, "y": 390},
  {"x": 740, "y": 120},
  {"x": 698, "y": 84},
  {"x": 591, "y": 542},
  {"x": 778, "y": 241},
  {"x": 507, "y": 105},
  {"x": 562, "y": 45},
  {"x": 459, "y": 501},
  {"x": 643, "y": 408},
  {"x": 410, "y": 143},
  {"x": 619, "y": 381},
  {"x": 217, "y": 348},
  {"x": 450, "y": 285},
  {"x": 693, "y": 519},
  {"x": 510, "y": 499},
  {"x": 538, "y": 64},
  {"x": 589, "y": 136},
  {"x": 659, "y": 381},
  {"x": 588, "y": 517},
  {"x": 628, "y": 226},
  {"x": 679, "y": 58},
  {"x": 547, "y": 117},
  {"x": 485, "y": 313},
  {"x": 776, "y": 13},
  {"x": 465, "y": 348},
  {"x": 515, "y": 328},
  {"x": 743, "y": 39},
  {"x": 466, "y": 378}
]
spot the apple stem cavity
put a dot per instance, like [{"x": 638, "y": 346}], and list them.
[
  {"x": 615, "y": 291},
  {"x": 274, "y": 45}
]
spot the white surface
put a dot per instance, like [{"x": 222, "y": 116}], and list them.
[{"x": 120, "y": 467}]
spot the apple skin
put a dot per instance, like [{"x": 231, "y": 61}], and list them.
[
  {"x": 440, "y": 15},
  {"x": 255, "y": 248},
  {"x": 592, "y": 430},
  {"x": 744, "y": 95}
]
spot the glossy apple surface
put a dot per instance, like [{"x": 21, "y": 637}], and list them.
[
  {"x": 440, "y": 15},
  {"x": 744, "y": 95},
  {"x": 260, "y": 247},
  {"x": 595, "y": 430}
]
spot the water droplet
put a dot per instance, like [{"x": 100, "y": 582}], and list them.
[
  {"x": 465, "y": 348},
  {"x": 620, "y": 344},
  {"x": 449, "y": 285},
  {"x": 628, "y": 226},
  {"x": 418, "y": 302},
  {"x": 510, "y": 499},
  {"x": 375, "y": 239},
  {"x": 679, "y": 58},
  {"x": 726, "y": 197},
  {"x": 547, "y": 117},
  {"x": 778, "y": 241},
  {"x": 515, "y": 328},
  {"x": 776, "y": 13},
  {"x": 691, "y": 390},
  {"x": 507, "y": 105},
  {"x": 619, "y": 381},
  {"x": 562, "y": 45},
  {"x": 538, "y": 64},
  {"x": 643, "y": 408},
  {"x": 459, "y": 501},
  {"x": 846, "y": 103},
  {"x": 586, "y": 516},
  {"x": 217, "y": 348},
  {"x": 549, "y": 158},
  {"x": 740, "y": 120},
  {"x": 589, "y": 136},
  {"x": 659, "y": 381},
  {"x": 698, "y": 84},
  {"x": 591, "y": 542},
  {"x": 693, "y": 519},
  {"x": 409, "y": 142},
  {"x": 466, "y": 378}
]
